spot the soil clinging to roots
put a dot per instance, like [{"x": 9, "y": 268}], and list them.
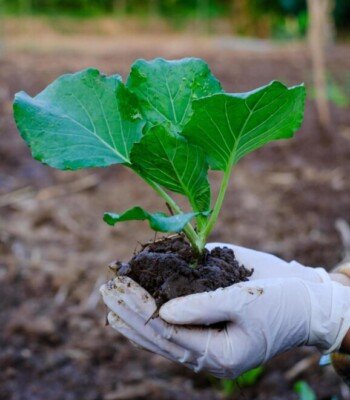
[{"x": 169, "y": 268}]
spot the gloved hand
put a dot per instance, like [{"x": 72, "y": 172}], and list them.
[{"x": 263, "y": 318}]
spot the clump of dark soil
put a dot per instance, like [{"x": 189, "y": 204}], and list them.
[{"x": 170, "y": 268}]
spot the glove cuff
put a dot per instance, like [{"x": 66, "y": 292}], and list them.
[
  {"x": 341, "y": 311},
  {"x": 310, "y": 274},
  {"x": 330, "y": 315}
]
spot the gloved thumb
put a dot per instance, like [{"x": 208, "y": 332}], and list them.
[{"x": 210, "y": 307}]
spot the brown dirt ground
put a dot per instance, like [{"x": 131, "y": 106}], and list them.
[{"x": 54, "y": 247}]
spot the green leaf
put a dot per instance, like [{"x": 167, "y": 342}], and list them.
[
  {"x": 173, "y": 163},
  {"x": 166, "y": 89},
  {"x": 228, "y": 126},
  {"x": 157, "y": 221},
  {"x": 228, "y": 386},
  {"x": 81, "y": 120},
  {"x": 248, "y": 378},
  {"x": 305, "y": 391}
]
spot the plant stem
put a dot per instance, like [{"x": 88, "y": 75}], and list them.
[
  {"x": 188, "y": 229},
  {"x": 218, "y": 204}
]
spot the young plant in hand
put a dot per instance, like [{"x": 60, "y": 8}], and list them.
[{"x": 170, "y": 122}]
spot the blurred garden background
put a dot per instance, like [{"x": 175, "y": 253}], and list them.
[
  {"x": 262, "y": 18},
  {"x": 290, "y": 198}
]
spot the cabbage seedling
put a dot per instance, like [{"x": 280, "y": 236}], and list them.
[{"x": 170, "y": 122}]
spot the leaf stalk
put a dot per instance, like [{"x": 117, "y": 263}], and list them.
[
  {"x": 203, "y": 235},
  {"x": 189, "y": 231}
]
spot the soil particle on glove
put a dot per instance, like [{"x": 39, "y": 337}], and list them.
[{"x": 169, "y": 268}]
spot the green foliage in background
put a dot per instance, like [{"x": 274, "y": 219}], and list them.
[
  {"x": 338, "y": 94},
  {"x": 304, "y": 390},
  {"x": 249, "y": 378},
  {"x": 277, "y": 10}
]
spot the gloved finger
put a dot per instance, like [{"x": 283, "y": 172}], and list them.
[
  {"x": 125, "y": 297},
  {"x": 116, "y": 298},
  {"x": 217, "y": 349},
  {"x": 139, "y": 340},
  {"x": 123, "y": 289},
  {"x": 252, "y": 258},
  {"x": 223, "y": 304},
  {"x": 266, "y": 265},
  {"x": 134, "y": 337},
  {"x": 200, "y": 340}
]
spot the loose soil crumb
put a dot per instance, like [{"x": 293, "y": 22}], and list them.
[{"x": 169, "y": 268}]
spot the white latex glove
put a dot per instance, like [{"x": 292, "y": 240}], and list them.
[{"x": 263, "y": 318}]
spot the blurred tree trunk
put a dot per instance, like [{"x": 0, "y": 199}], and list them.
[
  {"x": 203, "y": 16},
  {"x": 241, "y": 16},
  {"x": 321, "y": 30},
  {"x": 25, "y": 6},
  {"x": 153, "y": 7},
  {"x": 2, "y": 36},
  {"x": 120, "y": 6}
]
